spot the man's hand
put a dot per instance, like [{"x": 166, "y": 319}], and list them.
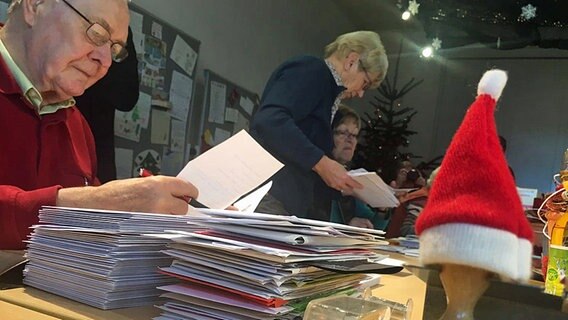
[
  {"x": 157, "y": 194},
  {"x": 335, "y": 175},
  {"x": 361, "y": 223}
]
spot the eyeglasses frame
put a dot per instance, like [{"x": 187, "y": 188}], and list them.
[
  {"x": 122, "y": 49},
  {"x": 369, "y": 82},
  {"x": 346, "y": 134}
]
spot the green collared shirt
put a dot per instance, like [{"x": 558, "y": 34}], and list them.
[{"x": 28, "y": 90}]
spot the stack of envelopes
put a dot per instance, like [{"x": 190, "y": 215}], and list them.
[
  {"x": 260, "y": 266},
  {"x": 105, "y": 259}
]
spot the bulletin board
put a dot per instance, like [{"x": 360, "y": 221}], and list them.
[
  {"x": 154, "y": 134},
  {"x": 227, "y": 109}
]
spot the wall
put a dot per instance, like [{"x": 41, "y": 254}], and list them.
[
  {"x": 245, "y": 40},
  {"x": 530, "y": 113}
]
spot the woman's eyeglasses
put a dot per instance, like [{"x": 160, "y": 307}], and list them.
[
  {"x": 368, "y": 83},
  {"x": 346, "y": 134}
]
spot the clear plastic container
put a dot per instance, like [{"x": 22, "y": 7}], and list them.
[
  {"x": 346, "y": 308},
  {"x": 399, "y": 311}
]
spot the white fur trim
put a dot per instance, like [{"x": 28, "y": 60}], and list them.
[
  {"x": 525, "y": 260},
  {"x": 491, "y": 249},
  {"x": 492, "y": 83}
]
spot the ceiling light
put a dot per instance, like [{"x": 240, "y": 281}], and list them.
[{"x": 427, "y": 52}]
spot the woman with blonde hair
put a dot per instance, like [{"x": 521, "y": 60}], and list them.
[{"x": 294, "y": 119}]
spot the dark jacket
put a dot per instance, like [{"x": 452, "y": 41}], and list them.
[
  {"x": 117, "y": 90},
  {"x": 294, "y": 124}
]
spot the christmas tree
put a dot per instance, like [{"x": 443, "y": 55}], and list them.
[{"x": 386, "y": 131}]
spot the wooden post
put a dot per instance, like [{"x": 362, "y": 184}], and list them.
[{"x": 463, "y": 286}]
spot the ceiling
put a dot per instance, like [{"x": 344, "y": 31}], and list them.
[
  {"x": 497, "y": 24},
  {"x": 376, "y": 15}
]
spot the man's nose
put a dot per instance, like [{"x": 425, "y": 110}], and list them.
[{"x": 103, "y": 55}]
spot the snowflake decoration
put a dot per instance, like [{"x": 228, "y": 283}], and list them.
[
  {"x": 436, "y": 43},
  {"x": 413, "y": 7},
  {"x": 528, "y": 12}
]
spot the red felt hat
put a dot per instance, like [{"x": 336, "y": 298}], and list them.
[{"x": 474, "y": 215}]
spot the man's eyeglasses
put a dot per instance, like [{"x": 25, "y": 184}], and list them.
[
  {"x": 368, "y": 83},
  {"x": 346, "y": 134},
  {"x": 99, "y": 36}
]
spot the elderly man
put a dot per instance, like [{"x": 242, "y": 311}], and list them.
[
  {"x": 296, "y": 112},
  {"x": 50, "y": 51}
]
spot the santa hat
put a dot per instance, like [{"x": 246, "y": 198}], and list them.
[{"x": 474, "y": 215}]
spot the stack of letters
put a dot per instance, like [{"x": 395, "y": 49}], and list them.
[
  {"x": 260, "y": 266},
  {"x": 101, "y": 258}
]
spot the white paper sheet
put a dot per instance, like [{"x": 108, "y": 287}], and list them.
[
  {"x": 177, "y": 137},
  {"x": 214, "y": 295},
  {"x": 180, "y": 95},
  {"x": 126, "y": 126},
  {"x": 143, "y": 108},
  {"x": 217, "y": 102},
  {"x": 293, "y": 219},
  {"x": 183, "y": 55},
  {"x": 138, "y": 38},
  {"x": 102, "y": 261},
  {"x": 299, "y": 239},
  {"x": 263, "y": 251},
  {"x": 222, "y": 182},
  {"x": 160, "y": 127},
  {"x": 231, "y": 115},
  {"x": 527, "y": 196},
  {"x": 156, "y": 30},
  {"x": 218, "y": 310},
  {"x": 136, "y": 21},
  {"x": 250, "y": 202},
  {"x": 375, "y": 192},
  {"x": 247, "y": 104}
]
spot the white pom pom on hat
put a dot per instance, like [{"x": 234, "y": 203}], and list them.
[{"x": 492, "y": 83}]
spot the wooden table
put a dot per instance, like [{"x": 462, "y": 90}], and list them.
[
  {"x": 29, "y": 303},
  {"x": 405, "y": 285},
  {"x": 15, "y": 312}
]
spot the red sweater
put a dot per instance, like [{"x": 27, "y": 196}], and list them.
[{"x": 38, "y": 156}]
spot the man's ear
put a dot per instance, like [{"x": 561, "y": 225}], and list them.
[
  {"x": 30, "y": 9},
  {"x": 351, "y": 59}
]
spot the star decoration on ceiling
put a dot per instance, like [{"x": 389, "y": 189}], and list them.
[
  {"x": 413, "y": 7},
  {"x": 436, "y": 43},
  {"x": 528, "y": 12}
]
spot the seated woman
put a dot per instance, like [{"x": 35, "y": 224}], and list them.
[
  {"x": 333, "y": 207},
  {"x": 415, "y": 202}
]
